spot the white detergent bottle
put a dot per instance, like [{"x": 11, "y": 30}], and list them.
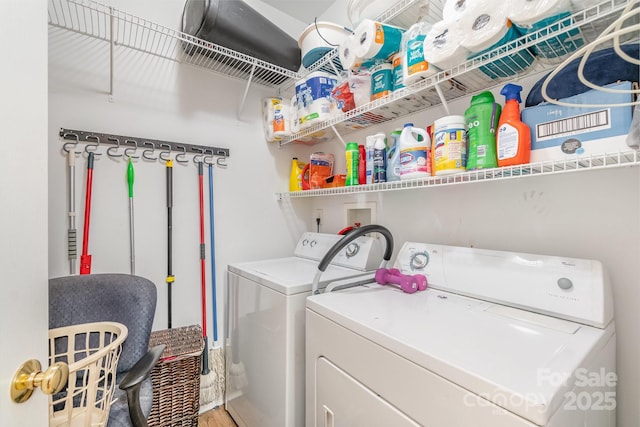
[
  {"x": 415, "y": 158},
  {"x": 369, "y": 148}
]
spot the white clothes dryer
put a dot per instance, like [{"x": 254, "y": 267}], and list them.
[
  {"x": 265, "y": 346},
  {"x": 498, "y": 339}
]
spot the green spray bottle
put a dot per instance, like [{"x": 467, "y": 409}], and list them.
[{"x": 481, "y": 119}]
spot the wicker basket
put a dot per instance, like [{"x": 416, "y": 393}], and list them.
[
  {"x": 176, "y": 377},
  {"x": 92, "y": 351}
]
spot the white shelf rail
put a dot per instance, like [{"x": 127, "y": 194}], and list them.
[
  {"x": 119, "y": 28},
  {"x": 593, "y": 162},
  {"x": 462, "y": 80}
]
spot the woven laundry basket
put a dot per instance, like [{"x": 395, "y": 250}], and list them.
[
  {"x": 92, "y": 351},
  {"x": 176, "y": 377}
]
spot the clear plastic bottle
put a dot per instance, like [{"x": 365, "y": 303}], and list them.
[{"x": 369, "y": 149}]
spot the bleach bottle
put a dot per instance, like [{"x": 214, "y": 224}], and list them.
[
  {"x": 514, "y": 136},
  {"x": 415, "y": 161},
  {"x": 482, "y": 123}
]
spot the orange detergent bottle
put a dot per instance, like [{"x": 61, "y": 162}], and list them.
[{"x": 513, "y": 141}]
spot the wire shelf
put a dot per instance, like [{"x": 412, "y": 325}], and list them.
[
  {"x": 593, "y": 162},
  {"x": 108, "y": 24},
  {"x": 480, "y": 73}
]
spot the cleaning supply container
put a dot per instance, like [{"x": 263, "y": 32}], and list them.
[
  {"x": 369, "y": 148},
  {"x": 379, "y": 158},
  {"x": 481, "y": 120},
  {"x": 319, "y": 39},
  {"x": 415, "y": 159},
  {"x": 352, "y": 154},
  {"x": 449, "y": 148},
  {"x": 393, "y": 157},
  {"x": 295, "y": 176},
  {"x": 514, "y": 137}
]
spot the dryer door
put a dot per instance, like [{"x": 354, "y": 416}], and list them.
[{"x": 343, "y": 401}]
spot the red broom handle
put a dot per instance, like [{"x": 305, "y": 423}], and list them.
[
  {"x": 203, "y": 279},
  {"x": 85, "y": 258}
]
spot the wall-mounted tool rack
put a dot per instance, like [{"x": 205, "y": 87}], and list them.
[{"x": 145, "y": 146}]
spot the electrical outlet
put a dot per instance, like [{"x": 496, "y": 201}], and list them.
[{"x": 318, "y": 214}]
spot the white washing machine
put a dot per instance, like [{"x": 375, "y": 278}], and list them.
[
  {"x": 498, "y": 339},
  {"x": 266, "y": 340}
]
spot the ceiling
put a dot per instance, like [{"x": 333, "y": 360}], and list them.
[{"x": 302, "y": 10}]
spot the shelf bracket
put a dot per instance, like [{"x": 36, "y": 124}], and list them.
[
  {"x": 445, "y": 104},
  {"x": 338, "y": 135},
  {"x": 246, "y": 91}
]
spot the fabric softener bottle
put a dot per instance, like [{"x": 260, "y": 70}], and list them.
[
  {"x": 514, "y": 136},
  {"x": 481, "y": 119}
]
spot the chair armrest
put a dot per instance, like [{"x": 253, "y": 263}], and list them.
[
  {"x": 133, "y": 380},
  {"x": 141, "y": 370}
]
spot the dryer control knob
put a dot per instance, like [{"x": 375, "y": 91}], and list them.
[
  {"x": 313, "y": 243},
  {"x": 419, "y": 260},
  {"x": 565, "y": 284},
  {"x": 352, "y": 249}
]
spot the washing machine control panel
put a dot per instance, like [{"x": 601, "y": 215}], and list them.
[{"x": 364, "y": 253}]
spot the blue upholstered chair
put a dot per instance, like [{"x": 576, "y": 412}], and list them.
[{"x": 122, "y": 298}]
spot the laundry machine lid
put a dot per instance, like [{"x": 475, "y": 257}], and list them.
[
  {"x": 520, "y": 360},
  {"x": 291, "y": 275}
]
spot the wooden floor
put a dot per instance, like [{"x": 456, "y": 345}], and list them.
[{"x": 216, "y": 418}]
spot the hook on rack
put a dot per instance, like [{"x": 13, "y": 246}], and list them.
[
  {"x": 151, "y": 150},
  {"x": 66, "y": 145},
  {"x": 135, "y": 149},
  {"x": 208, "y": 160},
  {"x": 181, "y": 157},
  {"x": 109, "y": 150},
  {"x": 198, "y": 158},
  {"x": 88, "y": 148},
  {"x": 222, "y": 159},
  {"x": 164, "y": 154}
]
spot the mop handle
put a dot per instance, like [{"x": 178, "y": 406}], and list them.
[
  {"x": 72, "y": 239},
  {"x": 213, "y": 257},
  {"x": 85, "y": 258},
  {"x": 130, "y": 179},
  {"x": 203, "y": 278},
  {"x": 170, "y": 278}
]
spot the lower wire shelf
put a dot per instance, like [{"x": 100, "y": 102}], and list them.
[{"x": 593, "y": 162}]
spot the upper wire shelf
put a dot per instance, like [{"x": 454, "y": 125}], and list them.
[
  {"x": 480, "y": 73},
  {"x": 551, "y": 167},
  {"x": 109, "y": 24}
]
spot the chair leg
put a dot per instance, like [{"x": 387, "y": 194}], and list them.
[{"x": 135, "y": 411}]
